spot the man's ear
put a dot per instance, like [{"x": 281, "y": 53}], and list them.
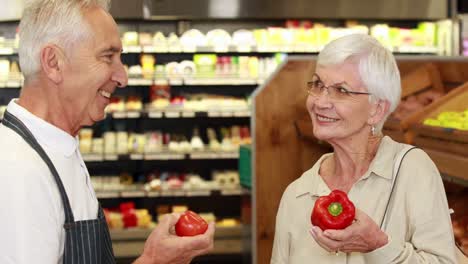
[
  {"x": 52, "y": 62},
  {"x": 378, "y": 111}
]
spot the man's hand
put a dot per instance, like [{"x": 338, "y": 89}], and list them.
[
  {"x": 164, "y": 247},
  {"x": 364, "y": 235}
]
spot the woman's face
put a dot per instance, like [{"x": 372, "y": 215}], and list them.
[{"x": 337, "y": 114}]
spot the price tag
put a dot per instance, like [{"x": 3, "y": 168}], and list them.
[
  {"x": 155, "y": 114},
  {"x": 244, "y": 48},
  {"x": 175, "y": 156},
  {"x": 161, "y": 49},
  {"x": 175, "y": 49},
  {"x": 198, "y": 193},
  {"x": 172, "y": 114},
  {"x": 92, "y": 157},
  {"x": 175, "y": 82},
  {"x": 229, "y": 192},
  {"x": 160, "y": 82},
  {"x": 166, "y": 193},
  {"x": 132, "y": 82},
  {"x": 6, "y": 51},
  {"x": 178, "y": 193},
  {"x": 199, "y": 155},
  {"x": 221, "y": 49},
  {"x": 131, "y": 194},
  {"x": 246, "y": 82},
  {"x": 13, "y": 84},
  {"x": 154, "y": 194},
  {"x": 136, "y": 156},
  {"x": 119, "y": 115},
  {"x": 226, "y": 114},
  {"x": 242, "y": 113},
  {"x": 228, "y": 155},
  {"x": 149, "y": 49},
  {"x": 145, "y": 82},
  {"x": 133, "y": 49},
  {"x": 214, "y": 114},
  {"x": 189, "y": 49},
  {"x": 111, "y": 157},
  {"x": 188, "y": 114},
  {"x": 107, "y": 194},
  {"x": 133, "y": 114},
  {"x": 169, "y": 193},
  {"x": 153, "y": 156}
]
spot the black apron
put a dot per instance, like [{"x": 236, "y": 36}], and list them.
[{"x": 86, "y": 241}]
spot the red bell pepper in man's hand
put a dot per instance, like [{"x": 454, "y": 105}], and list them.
[{"x": 334, "y": 211}]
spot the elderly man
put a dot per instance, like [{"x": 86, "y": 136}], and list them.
[{"x": 70, "y": 57}]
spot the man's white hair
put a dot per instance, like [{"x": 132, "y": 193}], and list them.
[
  {"x": 377, "y": 66},
  {"x": 51, "y": 21}
]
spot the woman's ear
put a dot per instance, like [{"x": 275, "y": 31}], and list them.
[
  {"x": 52, "y": 61},
  {"x": 378, "y": 111}
]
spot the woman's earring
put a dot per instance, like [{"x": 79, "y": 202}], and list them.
[{"x": 373, "y": 130}]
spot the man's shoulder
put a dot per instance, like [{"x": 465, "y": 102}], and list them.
[
  {"x": 15, "y": 151},
  {"x": 10, "y": 141}
]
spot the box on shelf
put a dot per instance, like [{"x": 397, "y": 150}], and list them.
[
  {"x": 420, "y": 88},
  {"x": 448, "y": 135},
  {"x": 447, "y": 146},
  {"x": 245, "y": 165}
]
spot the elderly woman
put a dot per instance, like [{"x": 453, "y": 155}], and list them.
[{"x": 399, "y": 219}]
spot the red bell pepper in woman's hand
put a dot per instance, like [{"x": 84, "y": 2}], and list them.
[{"x": 334, "y": 211}]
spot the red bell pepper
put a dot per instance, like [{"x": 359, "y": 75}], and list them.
[
  {"x": 334, "y": 211},
  {"x": 129, "y": 219},
  {"x": 126, "y": 207}
]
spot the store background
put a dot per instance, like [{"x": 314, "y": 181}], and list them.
[{"x": 204, "y": 123}]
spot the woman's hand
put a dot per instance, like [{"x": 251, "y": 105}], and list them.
[{"x": 364, "y": 235}]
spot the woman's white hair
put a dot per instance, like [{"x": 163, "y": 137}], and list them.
[
  {"x": 377, "y": 66},
  {"x": 51, "y": 21}
]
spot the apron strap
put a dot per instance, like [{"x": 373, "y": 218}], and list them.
[{"x": 16, "y": 125}]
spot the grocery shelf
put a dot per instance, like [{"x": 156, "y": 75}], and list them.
[
  {"x": 172, "y": 193},
  {"x": 8, "y": 51},
  {"x": 246, "y": 50},
  {"x": 450, "y": 164},
  {"x": 96, "y": 157},
  {"x": 221, "y": 49},
  {"x": 215, "y": 81},
  {"x": 11, "y": 84},
  {"x": 220, "y": 81},
  {"x": 299, "y": 49},
  {"x": 157, "y": 114},
  {"x": 130, "y": 242}
]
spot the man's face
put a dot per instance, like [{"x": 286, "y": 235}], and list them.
[{"x": 93, "y": 70}]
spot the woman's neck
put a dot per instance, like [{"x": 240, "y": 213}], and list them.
[{"x": 351, "y": 159}]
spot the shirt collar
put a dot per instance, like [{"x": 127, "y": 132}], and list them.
[
  {"x": 382, "y": 164},
  {"x": 311, "y": 182},
  {"x": 44, "y": 132}
]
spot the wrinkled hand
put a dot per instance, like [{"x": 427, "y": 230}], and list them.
[
  {"x": 164, "y": 247},
  {"x": 363, "y": 235}
]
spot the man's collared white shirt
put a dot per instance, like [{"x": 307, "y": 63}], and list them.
[{"x": 32, "y": 214}]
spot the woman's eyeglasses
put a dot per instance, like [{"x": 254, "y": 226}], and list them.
[{"x": 337, "y": 92}]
